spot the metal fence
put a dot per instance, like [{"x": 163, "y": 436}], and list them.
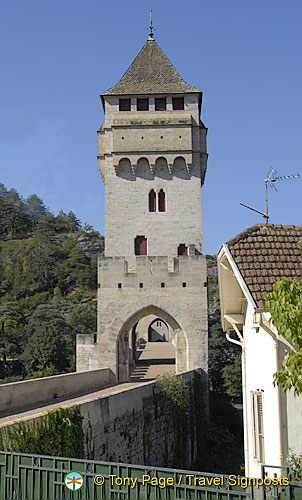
[
  {"x": 293, "y": 491},
  {"x": 31, "y": 477}
]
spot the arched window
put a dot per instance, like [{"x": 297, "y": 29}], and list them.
[
  {"x": 182, "y": 249},
  {"x": 161, "y": 201},
  {"x": 140, "y": 245},
  {"x": 152, "y": 201}
]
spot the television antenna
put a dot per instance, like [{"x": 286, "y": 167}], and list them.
[{"x": 270, "y": 179}]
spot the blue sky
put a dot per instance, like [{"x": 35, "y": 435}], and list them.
[{"x": 57, "y": 57}]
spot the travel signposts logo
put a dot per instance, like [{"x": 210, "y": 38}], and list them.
[{"x": 73, "y": 480}]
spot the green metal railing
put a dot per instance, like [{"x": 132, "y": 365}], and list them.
[
  {"x": 31, "y": 477},
  {"x": 293, "y": 491}
]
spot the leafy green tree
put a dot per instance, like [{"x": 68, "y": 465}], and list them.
[
  {"x": 221, "y": 354},
  {"x": 82, "y": 318},
  {"x": 285, "y": 305},
  {"x": 13, "y": 197},
  {"x": 232, "y": 378},
  {"x": 10, "y": 319},
  {"x": 35, "y": 207},
  {"x": 46, "y": 224},
  {"x": 14, "y": 222},
  {"x": 47, "y": 325},
  {"x": 3, "y": 190},
  {"x": 74, "y": 223},
  {"x": 46, "y": 351}
]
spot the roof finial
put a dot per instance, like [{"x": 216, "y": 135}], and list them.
[{"x": 151, "y": 35}]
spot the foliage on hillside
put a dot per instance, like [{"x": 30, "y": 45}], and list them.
[{"x": 47, "y": 286}]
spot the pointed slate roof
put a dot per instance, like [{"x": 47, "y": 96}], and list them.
[{"x": 151, "y": 73}]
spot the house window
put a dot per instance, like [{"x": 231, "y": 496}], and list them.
[
  {"x": 140, "y": 245},
  {"x": 152, "y": 201},
  {"x": 178, "y": 103},
  {"x": 142, "y": 105},
  {"x": 161, "y": 201},
  {"x": 257, "y": 425},
  {"x": 160, "y": 104},
  {"x": 158, "y": 323},
  {"x": 182, "y": 249},
  {"x": 125, "y": 104}
]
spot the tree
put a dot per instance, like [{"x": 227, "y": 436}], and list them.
[
  {"x": 51, "y": 344},
  {"x": 232, "y": 378},
  {"x": 285, "y": 305},
  {"x": 46, "y": 351},
  {"x": 10, "y": 319},
  {"x": 221, "y": 354},
  {"x": 82, "y": 318},
  {"x": 14, "y": 222},
  {"x": 35, "y": 207}
]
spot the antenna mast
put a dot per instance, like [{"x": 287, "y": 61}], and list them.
[{"x": 270, "y": 179}]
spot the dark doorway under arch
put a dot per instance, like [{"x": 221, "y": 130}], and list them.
[{"x": 158, "y": 331}]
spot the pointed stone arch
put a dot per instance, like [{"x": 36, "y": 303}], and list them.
[{"x": 121, "y": 327}]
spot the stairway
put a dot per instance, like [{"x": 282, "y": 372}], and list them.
[{"x": 156, "y": 358}]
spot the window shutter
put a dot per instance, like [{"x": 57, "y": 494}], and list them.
[{"x": 257, "y": 425}]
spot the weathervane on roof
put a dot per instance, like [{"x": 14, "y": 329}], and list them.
[
  {"x": 151, "y": 34},
  {"x": 270, "y": 178}
]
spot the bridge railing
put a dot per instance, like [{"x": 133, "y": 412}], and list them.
[
  {"x": 291, "y": 491},
  {"x": 32, "y": 477}
]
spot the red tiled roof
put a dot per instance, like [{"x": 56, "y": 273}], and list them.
[{"x": 266, "y": 253}]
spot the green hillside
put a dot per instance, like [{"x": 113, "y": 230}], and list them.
[{"x": 47, "y": 286}]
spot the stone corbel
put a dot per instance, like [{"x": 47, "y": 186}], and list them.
[
  {"x": 188, "y": 167},
  {"x": 133, "y": 168},
  {"x": 170, "y": 168},
  {"x": 115, "y": 166},
  {"x": 152, "y": 168}
]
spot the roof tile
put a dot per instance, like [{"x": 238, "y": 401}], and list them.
[
  {"x": 265, "y": 254},
  {"x": 151, "y": 73}
]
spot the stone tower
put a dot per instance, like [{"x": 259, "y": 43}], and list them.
[{"x": 152, "y": 158}]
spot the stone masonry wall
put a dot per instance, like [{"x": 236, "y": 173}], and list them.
[
  {"x": 140, "y": 426},
  {"x": 184, "y": 308},
  {"x": 128, "y": 216}
]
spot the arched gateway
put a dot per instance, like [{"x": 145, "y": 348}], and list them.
[
  {"x": 126, "y": 342},
  {"x": 152, "y": 158}
]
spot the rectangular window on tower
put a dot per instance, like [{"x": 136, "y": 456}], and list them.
[
  {"x": 125, "y": 104},
  {"x": 160, "y": 104},
  {"x": 140, "y": 245},
  {"x": 143, "y": 104},
  {"x": 178, "y": 103}
]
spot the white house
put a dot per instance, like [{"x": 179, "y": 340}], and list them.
[{"x": 248, "y": 266}]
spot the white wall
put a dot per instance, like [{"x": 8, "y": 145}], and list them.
[{"x": 260, "y": 367}]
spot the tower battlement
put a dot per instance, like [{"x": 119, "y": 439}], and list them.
[{"x": 148, "y": 272}]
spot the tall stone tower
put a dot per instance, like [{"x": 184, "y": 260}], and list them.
[{"x": 152, "y": 158}]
